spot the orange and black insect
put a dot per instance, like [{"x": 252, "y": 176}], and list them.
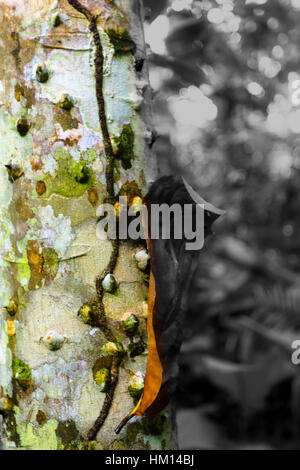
[
  {"x": 14, "y": 171},
  {"x": 172, "y": 267}
]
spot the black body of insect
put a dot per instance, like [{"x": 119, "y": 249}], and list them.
[{"x": 173, "y": 267}]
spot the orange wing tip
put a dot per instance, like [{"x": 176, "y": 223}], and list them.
[{"x": 124, "y": 422}]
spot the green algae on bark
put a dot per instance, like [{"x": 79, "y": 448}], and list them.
[
  {"x": 102, "y": 378},
  {"x": 130, "y": 324},
  {"x": 120, "y": 39},
  {"x": 21, "y": 372},
  {"x": 125, "y": 146},
  {"x": 72, "y": 179}
]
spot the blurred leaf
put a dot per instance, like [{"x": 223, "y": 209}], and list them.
[
  {"x": 153, "y": 8},
  {"x": 248, "y": 384},
  {"x": 186, "y": 32},
  {"x": 186, "y": 73},
  {"x": 281, "y": 338},
  {"x": 285, "y": 301},
  {"x": 196, "y": 431},
  {"x": 239, "y": 251}
]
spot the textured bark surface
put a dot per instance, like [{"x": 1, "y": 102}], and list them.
[{"x": 54, "y": 179}]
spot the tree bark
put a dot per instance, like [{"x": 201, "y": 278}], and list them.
[{"x": 76, "y": 130}]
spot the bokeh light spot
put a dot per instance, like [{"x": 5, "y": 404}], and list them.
[
  {"x": 215, "y": 15},
  {"x": 156, "y": 33},
  {"x": 255, "y": 89}
]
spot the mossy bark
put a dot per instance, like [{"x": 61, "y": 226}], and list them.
[{"x": 55, "y": 365}]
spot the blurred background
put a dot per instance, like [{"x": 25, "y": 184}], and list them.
[{"x": 226, "y": 83}]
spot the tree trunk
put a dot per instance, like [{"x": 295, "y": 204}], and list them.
[{"x": 71, "y": 368}]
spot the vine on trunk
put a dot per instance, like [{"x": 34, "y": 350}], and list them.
[{"x": 116, "y": 361}]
